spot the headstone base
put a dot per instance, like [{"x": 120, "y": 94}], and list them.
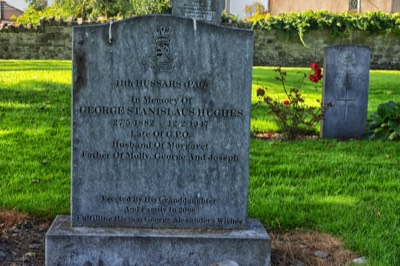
[{"x": 118, "y": 246}]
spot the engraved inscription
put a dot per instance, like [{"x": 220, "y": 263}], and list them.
[
  {"x": 197, "y": 10},
  {"x": 142, "y": 205},
  {"x": 160, "y": 129}
]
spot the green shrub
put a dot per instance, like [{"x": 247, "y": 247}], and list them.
[
  {"x": 34, "y": 16},
  {"x": 385, "y": 123},
  {"x": 338, "y": 24},
  {"x": 94, "y": 9}
]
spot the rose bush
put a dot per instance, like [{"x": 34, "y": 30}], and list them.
[{"x": 292, "y": 116}]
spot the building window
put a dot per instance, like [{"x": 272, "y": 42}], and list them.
[{"x": 353, "y": 5}]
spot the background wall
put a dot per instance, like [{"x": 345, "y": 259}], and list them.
[
  {"x": 53, "y": 40},
  {"x": 50, "y": 40},
  {"x": 273, "y": 49}
]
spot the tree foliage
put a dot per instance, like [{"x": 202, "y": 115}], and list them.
[
  {"x": 92, "y": 9},
  {"x": 33, "y": 16},
  {"x": 112, "y": 8},
  {"x": 38, "y": 5},
  {"x": 256, "y": 8}
]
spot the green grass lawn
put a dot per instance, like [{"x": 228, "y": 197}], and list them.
[
  {"x": 346, "y": 188},
  {"x": 35, "y": 136}
]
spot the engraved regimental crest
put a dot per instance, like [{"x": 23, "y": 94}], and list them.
[
  {"x": 348, "y": 58},
  {"x": 163, "y": 61}
]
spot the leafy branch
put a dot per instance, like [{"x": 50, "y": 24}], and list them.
[{"x": 338, "y": 24}]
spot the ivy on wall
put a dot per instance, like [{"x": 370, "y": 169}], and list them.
[{"x": 338, "y": 24}]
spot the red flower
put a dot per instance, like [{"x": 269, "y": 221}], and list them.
[
  {"x": 313, "y": 78},
  {"x": 286, "y": 102},
  {"x": 318, "y": 73},
  {"x": 314, "y": 66},
  {"x": 260, "y": 92},
  {"x": 317, "y": 76}
]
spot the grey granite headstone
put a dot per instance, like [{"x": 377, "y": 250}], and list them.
[
  {"x": 205, "y": 10},
  {"x": 345, "y": 92},
  {"x": 160, "y": 147},
  {"x": 161, "y": 124}
]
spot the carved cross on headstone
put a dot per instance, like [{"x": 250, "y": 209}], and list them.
[{"x": 346, "y": 98}]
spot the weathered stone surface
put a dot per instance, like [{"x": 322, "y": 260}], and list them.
[
  {"x": 161, "y": 124},
  {"x": 167, "y": 247},
  {"x": 345, "y": 92},
  {"x": 205, "y": 10}
]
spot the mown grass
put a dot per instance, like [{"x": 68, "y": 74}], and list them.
[
  {"x": 35, "y": 136},
  {"x": 349, "y": 189},
  {"x": 346, "y": 188}
]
